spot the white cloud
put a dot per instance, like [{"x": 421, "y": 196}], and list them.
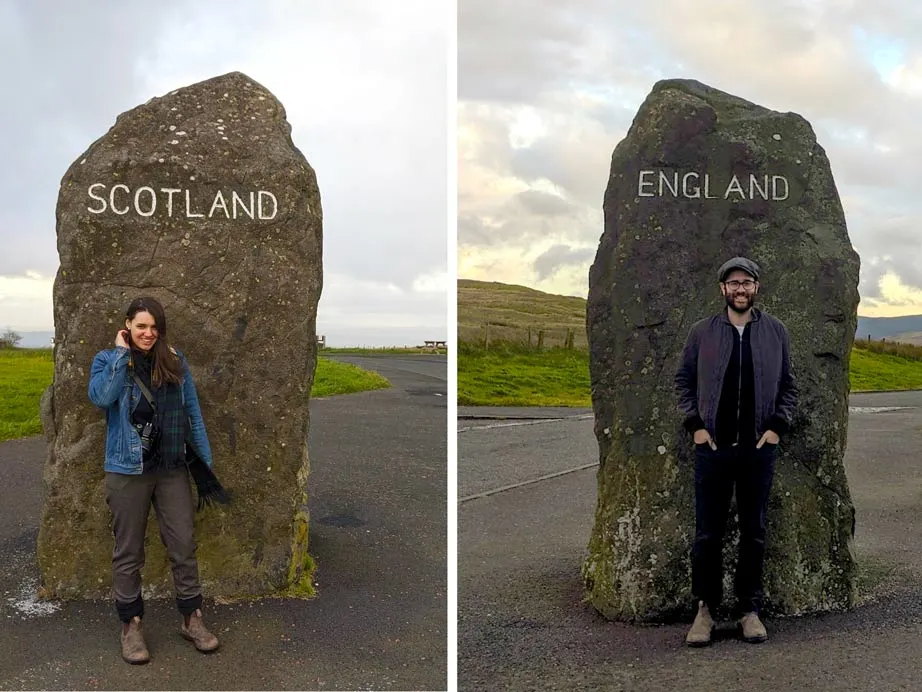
[
  {"x": 363, "y": 85},
  {"x": 548, "y": 115},
  {"x": 431, "y": 282},
  {"x": 25, "y": 302},
  {"x": 376, "y": 304}
]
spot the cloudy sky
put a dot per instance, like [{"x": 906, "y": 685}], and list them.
[
  {"x": 365, "y": 89},
  {"x": 547, "y": 89}
]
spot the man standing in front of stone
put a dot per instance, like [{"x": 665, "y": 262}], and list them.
[{"x": 737, "y": 394}]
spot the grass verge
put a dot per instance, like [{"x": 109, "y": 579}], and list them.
[
  {"x": 390, "y": 350},
  {"x": 332, "y": 378},
  {"x": 25, "y": 373},
  {"x": 875, "y": 371},
  {"x": 511, "y": 375}
]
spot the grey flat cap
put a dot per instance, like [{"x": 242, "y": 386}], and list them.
[{"x": 747, "y": 265}]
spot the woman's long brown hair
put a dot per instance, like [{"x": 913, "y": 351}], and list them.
[{"x": 166, "y": 366}]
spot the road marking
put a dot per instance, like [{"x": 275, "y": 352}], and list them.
[
  {"x": 503, "y": 489},
  {"x": 537, "y": 421},
  {"x": 587, "y": 416},
  {"x": 513, "y": 486}
]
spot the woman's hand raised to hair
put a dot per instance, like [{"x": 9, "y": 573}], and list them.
[{"x": 121, "y": 339}]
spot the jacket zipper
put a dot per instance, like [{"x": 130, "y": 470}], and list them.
[{"x": 739, "y": 389}]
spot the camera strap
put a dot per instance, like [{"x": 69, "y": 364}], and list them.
[{"x": 145, "y": 391}]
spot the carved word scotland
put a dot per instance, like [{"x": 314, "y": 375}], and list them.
[
  {"x": 693, "y": 185},
  {"x": 146, "y": 201}
]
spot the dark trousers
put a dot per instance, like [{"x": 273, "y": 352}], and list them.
[
  {"x": 751, "y": 472},
  {"x": 129, "y": 498}
]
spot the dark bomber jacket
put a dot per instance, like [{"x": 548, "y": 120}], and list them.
[{"x": 700, "y": 378}]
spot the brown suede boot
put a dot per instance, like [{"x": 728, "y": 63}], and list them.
[
  {"x": 753, "y": 629},
  {"x": 194, "y": 630},
  {"x": 134, "y": 650},
  {"x": 702, "y": 627}
]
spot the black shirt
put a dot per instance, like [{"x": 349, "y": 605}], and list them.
[
  {"x": 736, "y": 415},
  {"x": 143, "y": 368}
]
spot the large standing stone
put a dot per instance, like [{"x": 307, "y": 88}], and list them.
[
  {"x": 703, "y": 176},
  {"x": 200, "y": 199}
]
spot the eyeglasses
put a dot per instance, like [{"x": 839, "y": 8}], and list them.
[{"x": 748, "y": 284}]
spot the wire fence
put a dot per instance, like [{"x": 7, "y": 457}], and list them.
[
  {"x": 503, "y": 336},
  {"x": 491, "y": 335},
  {"x": 891, "y": 348}
]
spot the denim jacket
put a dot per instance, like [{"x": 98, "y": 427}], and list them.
[{"x": 112, "y": 389}]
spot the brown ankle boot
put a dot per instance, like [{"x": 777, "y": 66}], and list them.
[
  {"x": 194, "y": 630},
  {"x": 702, "y": 627},
  {"x": 753, "y": 629},
  {"x": 134, "y": 650}
]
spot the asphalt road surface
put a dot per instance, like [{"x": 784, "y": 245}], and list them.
[
  {"x": 527, "y": 493},
  {"x": 378, "y": 532}
]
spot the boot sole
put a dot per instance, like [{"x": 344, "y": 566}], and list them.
[
  {"x": 136, "y": 663},
  {"x": 698, "y": 645},
  {"x": 757, "y": 639}
]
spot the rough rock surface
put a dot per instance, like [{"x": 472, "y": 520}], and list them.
[
  {"x": 653, "y": 277},
  {"x": 234, "y": 255}
]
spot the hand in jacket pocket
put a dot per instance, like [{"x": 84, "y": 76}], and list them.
[
  {"x": 770, "y": 437},
  {"x": 703, "y": 436}
]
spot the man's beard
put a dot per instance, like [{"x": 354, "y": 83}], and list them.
[{"x": 750, "y": 301}]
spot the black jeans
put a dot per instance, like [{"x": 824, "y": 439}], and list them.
[{"x": 751, "y": 471}]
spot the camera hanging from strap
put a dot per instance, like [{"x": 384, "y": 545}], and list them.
[{"x": 207, "y": 485}]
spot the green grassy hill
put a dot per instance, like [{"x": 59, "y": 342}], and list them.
[
  {"x": 506, "y": 312},
  {"x": 508, "y": 370}
]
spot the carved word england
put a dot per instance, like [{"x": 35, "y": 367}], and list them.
[{"x": 693, "y": 185}]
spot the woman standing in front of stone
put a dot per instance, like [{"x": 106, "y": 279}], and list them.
[{"x": 145, "y": 387}]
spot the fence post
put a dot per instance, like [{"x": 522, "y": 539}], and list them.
[
  {"x": 540, "y": 339},
  {"x": 569, "y": 338},
  {"x": 486, "y": 336},
  {"x": 529, "y": 338}
]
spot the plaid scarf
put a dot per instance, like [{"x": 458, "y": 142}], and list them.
[
  {"x": 174, "y": 448},
  {"x": 207, "y": 485},
  {"x": 170, "y": 419}
]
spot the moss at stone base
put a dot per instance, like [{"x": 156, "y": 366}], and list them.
[
  {"x": 639, "y": 568},
  {"x": 304, "y": 586},
  {"x": 300, "y": 582}
]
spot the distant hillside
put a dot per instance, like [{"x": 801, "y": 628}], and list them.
[
  {"x": 914, "y": 338},
  {"x": 889, "y": 327},
  {"x": 511, "y": 310}
]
